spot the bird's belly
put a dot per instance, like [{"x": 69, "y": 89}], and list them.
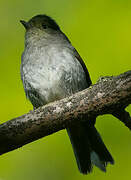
[{"x": 47, "y": 82}]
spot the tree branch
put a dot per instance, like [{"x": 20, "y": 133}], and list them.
[{"x": 110, "y": 95}]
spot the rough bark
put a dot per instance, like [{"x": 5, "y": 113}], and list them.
[{"x": 110, "y": 95}]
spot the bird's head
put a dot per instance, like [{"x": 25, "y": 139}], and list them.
[{"x": 41, "y": 24}]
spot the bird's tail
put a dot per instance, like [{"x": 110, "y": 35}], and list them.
[{"x": 89, "y": 148}]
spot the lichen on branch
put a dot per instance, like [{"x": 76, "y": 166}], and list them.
[{"x": 110, "y": 95}]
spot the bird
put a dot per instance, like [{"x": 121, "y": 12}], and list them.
[{"x": 52, "y": 69}]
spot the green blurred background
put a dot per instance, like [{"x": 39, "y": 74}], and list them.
[{"x": 101, "y": 32}]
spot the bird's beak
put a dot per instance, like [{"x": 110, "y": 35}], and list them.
[{"x": 25, "y": 24}]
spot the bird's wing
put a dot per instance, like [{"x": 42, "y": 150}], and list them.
[
  {"x": 78, "y": 57},
  {"x": 84, "y": 66}
]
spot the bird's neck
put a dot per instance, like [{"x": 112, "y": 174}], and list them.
[{"x": 43, "y": 39}]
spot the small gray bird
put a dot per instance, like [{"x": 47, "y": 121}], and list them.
[{"x": 52, "y": 69}]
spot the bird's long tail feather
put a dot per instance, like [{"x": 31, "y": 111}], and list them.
[{"x": 89, "y": 148}]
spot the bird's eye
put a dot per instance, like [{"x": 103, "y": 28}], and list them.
[{"x": 44, "y": 26}]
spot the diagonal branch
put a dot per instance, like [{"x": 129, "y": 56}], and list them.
[{"x": 110, "y": 95}]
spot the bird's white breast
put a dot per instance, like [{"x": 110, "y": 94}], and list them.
[{"x": 52, "y": 71}]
